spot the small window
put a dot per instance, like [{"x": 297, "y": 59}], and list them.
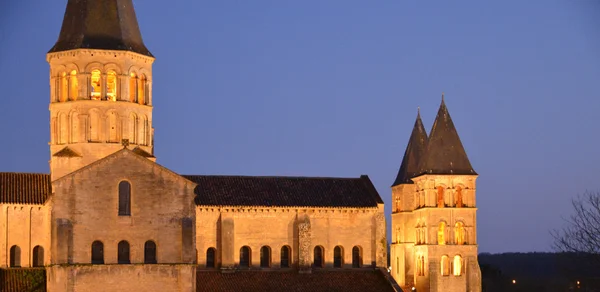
[
  {"x": 265, "y": 257},
  {"x": 338, "y": 257},
  {"x": 457, "y": 268},
  {"x": 318, "y": 256},
  {"x": 459, "y": 233},
  {"x": 15, "y": 256},
  {"x": 149, "y": 252},
  {"x": 142, "y": 89},
  {"x": 64, "y": 87},
  {"x": 356, "y": 257},
  {"x": 97, "y": 253},
  {"x": 442, "y": 233},
  {"x": 111, "y": 85},
  {"x": 96, "y": 84},
  {"x": 440, "y": 197},
  {"x": 285, "y": 257},
  {"x": 124, "y": 198},
  {"x": 123, "y": 253},
  {"x": 73, "y": 86},
  {"x": 133, "y": 81},
  {"x": 38, "y": 256},
  {"x": 210, "y": 257},
  {"x": 245, "y": 257},
  {"x": 445, "y": 266}
]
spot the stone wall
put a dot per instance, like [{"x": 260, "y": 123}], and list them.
[{"x": 25, "y": 226}]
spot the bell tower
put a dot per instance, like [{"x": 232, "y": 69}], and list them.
[{"x": 100, "y": 86}]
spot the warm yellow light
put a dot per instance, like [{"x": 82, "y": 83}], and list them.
[
  {"x": 514, "y": 281},
  {"x": 578, "y": 283},
  {"x": 111, "y": 85},
  {"x": 95, "y": 85}
]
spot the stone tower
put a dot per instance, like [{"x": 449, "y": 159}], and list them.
[
  {"x": 100, "y": 86},
  {"x": 434, "y": 223}
]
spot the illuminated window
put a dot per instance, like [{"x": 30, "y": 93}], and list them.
[
  {"x": 285, "y": 256},
  {"x": 442, "y": 233},
  {"x": 440, "y": 197},
  {"x": 97, "y": 253},
  {"x": 459, "y": 198},
  {"x": 142, "y": 89},
  {"x": 149, "y": 252},
  {"x": 457, "y": 269},
  {"x": 73, "y": 86},
  {"x": 123, "y": 252},
  {"x": 15, "y": 256},
  {"x": 356, "y": 257},
  {"x": 111, "y": 86},
  {"x": 96, "y": 85},
  {"x": 133, "y": 88},
  {"x": 245, "y": 257},
  {"x": 459, "y": 233},
  {"x": 124, "y": 198},
  {"x": 445, "y": 266},
  {"x": 338, "y": 257},
  {"x": 318, "y": 257},
  {"x": 265, "y": 257},
  {"x": 210, "y": 257},
  {"x": 64, "y": 87}
]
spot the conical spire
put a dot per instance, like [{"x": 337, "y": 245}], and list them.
[
  {"x": 445, "y": 153},
  {"x": 413, "y": 153},
  {"x": 100, "y": 24}
]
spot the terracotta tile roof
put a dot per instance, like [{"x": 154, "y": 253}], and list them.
[
  {"x": 24, "y": 188},
  {"x": 331, "y": 281},
  {"x": 284, "y": 191},
  {"x": 18, "y": 280}
]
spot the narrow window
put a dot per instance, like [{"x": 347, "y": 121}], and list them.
[
  {"x": 149, "y": 252},
  {"x": 422, "y": 266},
  {"x": 245, "y": 257},
  {"x": 210, "y": 258},
  {"x": 64, "y": 87},
  {"x": 265, "y": 257},
  {"x": 459, "y": 233},
  {"x": 73, "y": 86},
  {"x": 440, "y": 197},
  {"x": 63, "y": 128},
  {"x": 133, "y": 88},
  {"x": 442, "y": 233},
  {"x": 142, "y": 89},
  {"x": 113, "y": 120},
  {"x": 357, "y": 257},
  {"x": 111, "y": 85},
  {"x": 338, "y": 257},
  {"x": 318, "y": 257},
  {"x": 123, "y": 253},
  {"x": 94, "y": 126},
  {"x": 285, "y": 256},
  {"x": 15, "y": 256},
  {"x": 133, "y": 126},
  {"x": 97, "y": 253},
  {"x": 459, "y": 198},
  {"x": 445, "y": 266},
  {"x": 457, "y": 269},
  {"x": 96, "y": 85},
  {"x": 38, "y": 256},
  {"x": 124, "y": 198}
]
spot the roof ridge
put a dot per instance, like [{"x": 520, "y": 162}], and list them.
[
  {"x": 270, "y": 176},
  {"x": 417, "y": 143}
]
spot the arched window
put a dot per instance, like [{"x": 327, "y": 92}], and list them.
[
  {"x": 356, "y": 257},
  {"x": 440, "y": 197},
  {"x": 75, "y": 134},
  {"x": 143, "y": 130},
  {"x": 210, "y": 257},
  {"x": 94, "y": 126},
  {"x": 73, "y": 86},
  {"x": 318, "y": 257},
  {"x": 113, "y": 121},
  {"x": 142, "y": 89},
  {"x": 123, "y": 252},
  {"x": 285, "y": 256},
  {"x": 420, "y": 266},
  {"x": 459, "y": 233},
  {"x": 265, "y": 257},
  {"x": 111, "y": 85},
  {"x": 459, "y": 198},
  {"x": 97, "y": 253},
  {"x": 245, "y": 257},
  {"x": 445, "y": 266},
  {"x": 133, "y": 88},
  {"x": 457, "y": 267},
  {"x": 63, "y": 87},
  {"x": 338, "y": 257},
  {"x": 15, "y": 256},
  {"x": 124, "y": 198},
  {"x": 442, "y": 233},
  {"x": 133, "y": 128},
  {"x": 63, "y": 128},
  {"x": 149, "y": 252},
  {"x": 38, "y": 256},
  {"x": 418, "y": 235},
  {"x": 96, "y": 85}
]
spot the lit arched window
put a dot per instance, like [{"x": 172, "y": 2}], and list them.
[
  {"x": 445, "y": 266},
  {"x": 133, "y": 81},
  {"x": 38, "y": 256},
  {"x": 318, "y": 257},
  {"x": 111, "y": 85},
  {"x": 459, "y": 198},
  {"x": 457, "y": 267},
  {"x": 285, "y": 256},
  {"x": 142, "y": 89},
  {"x": 63, "y": 88},
  {"x": 149, "y": 252},
  {"x": 124, "y": 198},
  {"x": 459, "y": 233},
  {"x": 245, "y": 257},
  {"x": 356, "y": 257},
  {"x": 338, "y": 257},
  {"x": 97, "y": 253},
  {"x": 123, "y": 252},
  {"x": 210, "y": 257},
  {"x": 442, "y": 233},
  {"x": 73, "y": 86},
  {"x": 265, "y": 257},
  {"x": 15, "y": 256},
  {"x": 440, "y": 197},
  {"x": 96, "y": 84}
]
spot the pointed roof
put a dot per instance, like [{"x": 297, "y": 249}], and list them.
[
  {"x": 105, "y": 25},
  {"x": 67, "y": 152},
  {"x": 445, "y": 153},
  {"x": 413, "y": 153}
]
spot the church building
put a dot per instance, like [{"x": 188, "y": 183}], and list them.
[{"x": 109, "y": 217}]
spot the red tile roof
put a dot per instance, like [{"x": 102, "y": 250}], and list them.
[
  {"x": 318, "y": 280},
  {"x": 24, "y": 188}
]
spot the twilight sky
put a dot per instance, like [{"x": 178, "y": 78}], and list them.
[{"x": 331, "y": 88}]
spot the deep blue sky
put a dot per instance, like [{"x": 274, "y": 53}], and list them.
[{"x": 331, "y": 88}]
